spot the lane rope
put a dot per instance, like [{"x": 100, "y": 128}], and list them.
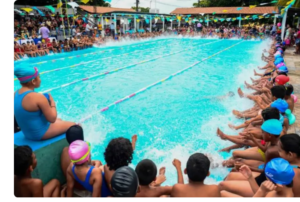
[
  {"x": 94, "y": 53},
  {"x": 83, "y": 63},
  {"x": 125, "y": 67},
  {"x": 154, "y": 84}
]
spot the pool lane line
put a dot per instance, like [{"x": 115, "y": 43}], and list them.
[
  {"x": 125, "y": 67},
  {"x": 83, "y": 63},
  {"x": 154, "y": 84},
  {"x": 93, "y": 53}
]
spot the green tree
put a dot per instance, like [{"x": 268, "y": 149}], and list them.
[
  {"x": 283, "y": 3},
  {"x": 229, "y": 3},
  {"x": 144, "y": 10}
]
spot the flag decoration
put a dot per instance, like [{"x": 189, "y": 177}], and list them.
[
  {"x": 27, "y": 9},
  {"x": 252, "y": 6},
  {"x": 59, "y": 4},
  {"x": 38, "y": 10},
  {"x": 51, "y": 8},
  {"x": 85, "y": 1}
]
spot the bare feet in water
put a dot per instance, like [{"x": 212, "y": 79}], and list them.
[
  {"x": 247, "y": 85},
  {"x": 228, "y": 163},
  {"x": 255, "y": 73},
  {"x": 221, "y": 134},
  {"x": 227, "y": 149},
  {"x": 232, "y": 126},
  {"x": 252, "y": 80},
  {"x": 240, "y": 92},
  {"x": 133, "y": 141},
  {"x": 237, "y": 113}
]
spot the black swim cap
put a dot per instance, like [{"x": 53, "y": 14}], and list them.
[
  {"x": 74, "y": 133},
  {"x": 124, "y": 182}
]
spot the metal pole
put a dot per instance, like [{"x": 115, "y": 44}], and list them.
[
  {"x": 115, "y": 23},
  {"x": 275, "y": 19},
  {"x": 171, "y": 24},
  {"x": 240, "y": 20},
  {"x": 163, "y": 20},
  {"x": 207, "y": 20},
  {"x": 64, "y": 30},
  {"x": 135, "y": 23},
  {"x": 283, "y": 24},
  {"x": 124, "y": 25},
  {"x": 137, "y": 5},
  {"x": 298, "y": 21},
  {"x": 150, "y": 23},
  {"x": 103, "y": 27},
  {"x": 68, "y": 19}
]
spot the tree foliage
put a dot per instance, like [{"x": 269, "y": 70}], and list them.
[
  {"x": 144, "y": 10},
  {"x": 283, "y": 3},
  {"x": 229, "y": 3}
]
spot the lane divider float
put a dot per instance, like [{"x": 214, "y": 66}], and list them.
[
  {"x": 93, "y": 53},
  {"x": 83, "y": 63},
  {"x": 125, "y": 67},
  {"x": 154, "y": 84}
]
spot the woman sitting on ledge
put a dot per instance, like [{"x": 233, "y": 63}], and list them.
[{"x": 36, "y": 113}]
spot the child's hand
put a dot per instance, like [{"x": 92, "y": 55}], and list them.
[
  {"x": 96, "y": 163},
  {"x": 245, "y": 171},
  {"x": 267, "y": 186},
  {"x": 176, "y": 163}
]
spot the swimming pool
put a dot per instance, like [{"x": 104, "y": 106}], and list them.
[{"x": 172, "y": 85}]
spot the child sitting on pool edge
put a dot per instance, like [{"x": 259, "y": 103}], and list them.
[
  {"x": 26, "y": 186},
  {"x": 197, "y": 169},
  {"x": 146, "y": 171}
]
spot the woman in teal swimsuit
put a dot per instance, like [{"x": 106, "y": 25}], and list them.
[{"x": 36, "y": 113}]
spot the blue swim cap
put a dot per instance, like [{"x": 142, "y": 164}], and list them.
[
  {"x": 272, "y": 126},
  {"x": 278, "y": 60},
  {"x": 26, "y": 74},
  {"x": 283, "y": 43},
  {"x": 279, "y": 171},
  {"x": 283, "y": 69},
  {"x": 280, "y": 104}
]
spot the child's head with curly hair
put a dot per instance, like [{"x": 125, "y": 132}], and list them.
[{"x": 118, "y": 153}]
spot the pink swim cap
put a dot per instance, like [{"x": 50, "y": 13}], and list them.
[
  {"x": 280, "y": 65},
  {"x": 79, "y": 152}
]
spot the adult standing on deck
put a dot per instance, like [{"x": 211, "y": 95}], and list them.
[
  {"x": 44, "y": 31},
  {"x": 89, "y": 29},
  {"x": 112, "y": 29},
  {"x": 36, "y": 113}
]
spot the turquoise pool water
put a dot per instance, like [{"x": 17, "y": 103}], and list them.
[{"x": 173, "y": 119}]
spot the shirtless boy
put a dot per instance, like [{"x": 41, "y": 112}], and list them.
[
  {"x": 26, "y": 186},
  {"x": 197, "y": 169},
  {"x": 146, "y": 171}
]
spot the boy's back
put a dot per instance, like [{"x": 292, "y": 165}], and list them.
[
  {"x": 28, "y": 187},
  {"x": 195, "y": 190},
  {"x": 197, "y": 169},
  {"x": 153, "y": 192}
]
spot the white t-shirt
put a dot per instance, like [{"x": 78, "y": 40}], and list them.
[
  {"x": 112, "y": 26},
  {"x": 88, "y": 27}
]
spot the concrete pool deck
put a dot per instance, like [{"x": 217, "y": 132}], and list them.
[{"x": 293, "y": 63}]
